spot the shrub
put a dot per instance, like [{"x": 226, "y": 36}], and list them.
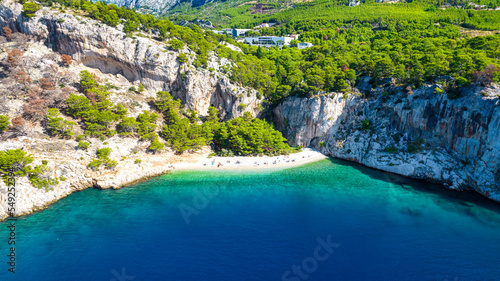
[
  {"x": 366, "y": 125},
  {"x": 38, "y": 177},
  {"x": 487, "y": 76},
  {"x": 14, "y": 160},
  {"x": 226, "y": 153},
  {"x": 176, "y": 45},
  {"x": 419, "y": 141},
  {"x": 4, "y": 123},
  {"x": 461, "y": 81},
  {"x": 322, "y": 144},
  {"x": 141, "y": 88},
  {"x": 132, "y": 89},
  {"x": 110, "y": 164},
  {"x": 22, "y": 77},
  {"x": 18, "y": 123},
  {"x": 412, "y": 148},
  {"x": 30, "y": 8},
  {"x": 156, "y": 146},
  {"x": 242, "y": 106},
  {"x": 391, "y": 149},
  {"x": 94, "y": 165},
  {"x": 103, "y": 158},
  {"x": 345, "y": 95},
  {"x": 83, "y": 145},
  {"x": 438, "y": 91},
  {"x": 58, "y": 126},
  {"x": 137, "y": 161},
  {"x": 66, "y": 60},
  {"x": 13, "y": 55},
  {"x": 182, "y": 58},
  {"x": 35, "y": 109},
  {"x": 6, "y": 31},
  {"x": 103, "y": 153},
  {"x": 87, "y": 81}
]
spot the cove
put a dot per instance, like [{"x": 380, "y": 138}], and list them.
[{"x": 328, "y": 220}]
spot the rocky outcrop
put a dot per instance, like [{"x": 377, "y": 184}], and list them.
[
  {"x": 421, "y": 134},
  {"x": 157, "y": 6},
  {"x": 70, "y": 164},
  {"x": 65, "y": 161},
  {"x": 139, "y": 60}
]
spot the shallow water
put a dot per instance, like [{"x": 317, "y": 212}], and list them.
[{"x": 262, "y": 225}]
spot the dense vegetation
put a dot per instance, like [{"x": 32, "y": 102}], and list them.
[
  {"x": 102, "y": 159},
  {"x": 240, "y": 14},
  {"x": 29, "y": 9},
  {"x": 97, "y": 112},
  {"x": 411, "y": 42},
  {"x": 241, "y": 136},
  {"x": 4, "y": 123},
  {"x": 182, "y": 129},
  {"x": 15, "y": 163}
]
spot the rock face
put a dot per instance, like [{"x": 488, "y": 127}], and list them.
[
  {"x": 157, "y": 6},
  {"x": 70, "y": 164},
  {"x": 140, "y": 60},
  {"x": 422, "y": 135}
]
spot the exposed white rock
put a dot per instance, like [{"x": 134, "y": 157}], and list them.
[
  {"x": 68, "y": 162},
  {"x": 141, "y": 60},
  {"x": 458, "y": 140}
]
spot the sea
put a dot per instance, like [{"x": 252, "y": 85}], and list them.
[{"x": 327, "y": 220}]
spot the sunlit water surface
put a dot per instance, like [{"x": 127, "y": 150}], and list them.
[{"x": 262, "y": 225}]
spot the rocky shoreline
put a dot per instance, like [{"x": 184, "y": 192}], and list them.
[
  {"x": 71, "y": 165},
  {"x": 417, "y": 133},
  {"x": 422, "y": 135}
]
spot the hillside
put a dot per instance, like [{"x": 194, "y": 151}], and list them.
[
  {"x": 103, "y": 96},
  {"x": 247, "y": 14},
  {"x": 84, "y": 105}
]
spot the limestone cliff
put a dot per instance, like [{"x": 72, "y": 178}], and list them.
[
  {"x": 140, "y": 60},
  {"x": 157, "y": 6},
  {"x": 117, "y": 61},
  {"x": 65, "y": 161},
  {"x": 420, "y": 134}
]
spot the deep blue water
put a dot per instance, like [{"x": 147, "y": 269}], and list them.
[{"x": 258, "y": 225}]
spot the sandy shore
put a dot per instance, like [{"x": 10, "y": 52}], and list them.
[{"x": 307, "y": 155}]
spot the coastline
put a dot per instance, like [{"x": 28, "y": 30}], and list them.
[
  {"x": 31, "y": 199},
  {"x": 241, "y": 163}
]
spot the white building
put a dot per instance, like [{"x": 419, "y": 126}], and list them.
[
  {"x": 265, "y": 25},
  {"x": 304, "y": 45},
  {"x": 239, "y": 32},
  {"x": 268, "y": 41},
  {"x": 235, "y": 32}
]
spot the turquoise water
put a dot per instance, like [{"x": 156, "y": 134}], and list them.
[{"x": 262, "y": 225}]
